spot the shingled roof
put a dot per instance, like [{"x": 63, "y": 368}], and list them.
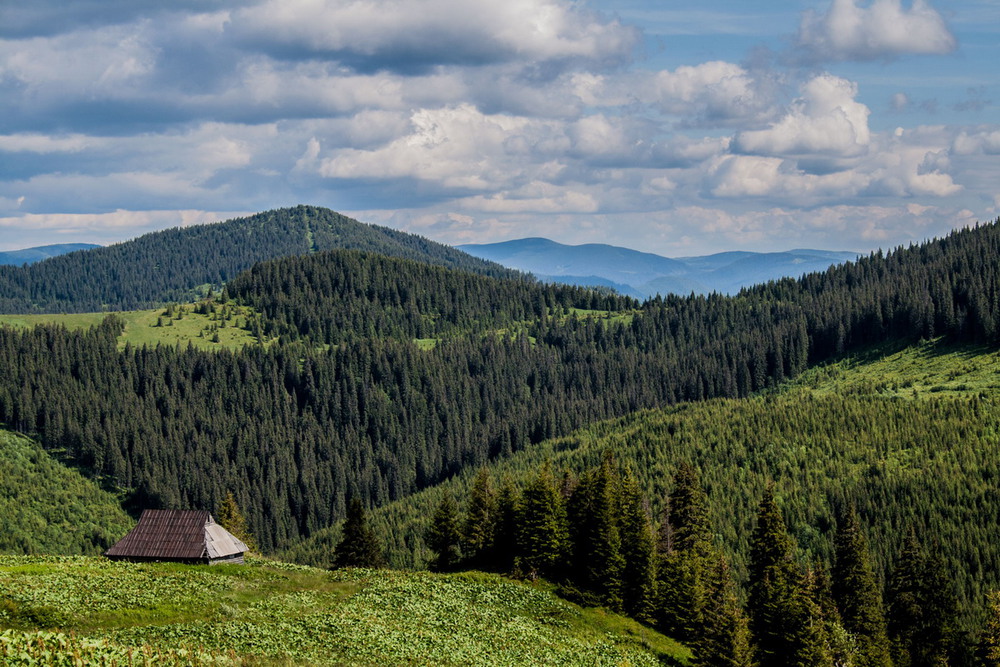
[{"x": 178, "y": 535}]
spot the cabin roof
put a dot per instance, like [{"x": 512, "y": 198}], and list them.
[{"x": 177, "y": 534}]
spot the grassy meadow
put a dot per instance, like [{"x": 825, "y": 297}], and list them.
[
  {"x": 269, "y": 613},
  {"x": 177, "y": 325}
]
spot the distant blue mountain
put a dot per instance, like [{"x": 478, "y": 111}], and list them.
[
  {"x": 543, "y": 257},
  {"x": 32, "y": 255},
  {"x": 643, "y": 274}
]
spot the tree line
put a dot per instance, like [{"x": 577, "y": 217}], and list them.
[
  {"x": 594, "y": 535},
  {"x": 347, "y": 405}
]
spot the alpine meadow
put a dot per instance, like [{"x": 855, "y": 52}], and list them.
[{"x": 801, "y": 473}]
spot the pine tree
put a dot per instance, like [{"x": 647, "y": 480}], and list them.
[
  {"x": 786, "y": 622},
  {"x": 543, "y": 533},
  {"x": 857, "y": 594},
  {"x": 683, "y": 558},
  {"x": 724, "y": 636},
  {"x": 688, "y": 506},
  {"x": 805, "y": 640},
  {"x": 479, "y": 529},
  {"x": 229, "y": 516},
  {"x": 444, "y": 537},
  {"x": 921, "y": 607},
  {"x": 358, "y": 546},
  {"x": 638, "y": 547},
  {"x": 504, "y": 550},
  {"x": 598, "y": 563}
]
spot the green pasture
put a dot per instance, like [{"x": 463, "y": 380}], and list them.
[
  {"x": 270, "y": 613},
  {"x": 227, "y": 328}
]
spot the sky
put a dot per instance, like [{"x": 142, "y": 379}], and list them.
[{"x": 675, "y": 128}]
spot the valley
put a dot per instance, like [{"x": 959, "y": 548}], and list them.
[{"x": 340, "y": 361}]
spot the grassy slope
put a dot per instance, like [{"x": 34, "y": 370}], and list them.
[
  {"x": 856, "y": 429},
  {"x": 141, "y": 326},
  {"x": 48, "y": 508},
  {"x": 274, "y": 614}
]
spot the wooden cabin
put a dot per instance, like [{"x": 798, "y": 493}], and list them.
[{"x": 182, "y": 536}]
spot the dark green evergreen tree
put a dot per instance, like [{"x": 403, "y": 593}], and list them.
[
  {"x": 786, "y": 622},
  {"x": 989, "y": 648},
  {"x": 444, "y": 536},
  {"x": 921, "y": 607},
  {"x": 543, "y": 532},
  {"x": 684, "y": 558},
  {"x": 857, "y": 593},
  {"x": 598, "y": 562},
  {"x": 724, "y": 637},
  {"x": 638, "y": 548},
  {"x": 358, "y": 546},
  {"x": 503, "y": 553},
  {"x": 479, "y": 529}
]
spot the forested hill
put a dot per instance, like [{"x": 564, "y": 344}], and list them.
[
  {"x": 355, "y": 407},
  {"x": 169, "y": 265}
]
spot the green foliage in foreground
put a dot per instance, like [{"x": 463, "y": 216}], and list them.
[
  {"x": 910, "y": 437},
  {"x": 276, "y": 614},
  {"x": 48, "y": 508},
  {"x": 56, "y": 649}
]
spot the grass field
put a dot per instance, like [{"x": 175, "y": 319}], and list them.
[
  {"x": 929, "y": 369},
  {"x": 226, "y": 328},
  {"x": 270, "y": 613}
]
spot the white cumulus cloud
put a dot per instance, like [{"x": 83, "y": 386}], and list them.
[
  {"x": 883, "y": 29},
  {"x": 825, "y": 120},
  {"x": 408, "y": 33}
]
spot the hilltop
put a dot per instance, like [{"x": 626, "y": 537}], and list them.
[{"x": 182, "y": 263}]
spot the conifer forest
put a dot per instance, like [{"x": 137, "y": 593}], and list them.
[{"x": 693, "y": 462}]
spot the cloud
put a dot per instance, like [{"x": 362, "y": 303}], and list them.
[
  {"x": 882, "y": 30},
  {"x": 406, "y": 35},
  {"x": 985, "y": 141},
  {"x": 100, "y": 227},
  {"x": 825, "y": 120},
  {"x": 44, "y": 144}
]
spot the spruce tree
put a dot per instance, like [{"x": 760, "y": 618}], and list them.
[
  {"x": 504, "y": 551},
  {"x": 543, "y": 533},
  {"x": 724, "y": 636},
  {"x": 598, "y": 563},
  {"x": 479, "y": 529},
  {"x": 358, "y": 546},
  {"x": 683, "y": 558},
  {"x": 638, "y": 547},
  {"x": 922, "y": 607},
  {"x": 229, "y": 516},
  {"x": 857, "y": 594},
  {"x": 444, "y": 537},
  {"x": 786, "y": 622}
]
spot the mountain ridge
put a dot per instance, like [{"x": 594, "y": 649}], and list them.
[
  {"x": 643, "y": 274},
  {"x": 177, "y": 265},
  {"x": 42, "y": 252}
]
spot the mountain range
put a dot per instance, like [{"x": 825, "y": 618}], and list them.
[
  {"x": 643, "y": 274},
  {"x": 38, "y": 253}
]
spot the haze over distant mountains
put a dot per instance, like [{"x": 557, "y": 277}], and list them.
[
  {"x": 37, "y": 254},
  {"x": 643, "y": 274}
]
